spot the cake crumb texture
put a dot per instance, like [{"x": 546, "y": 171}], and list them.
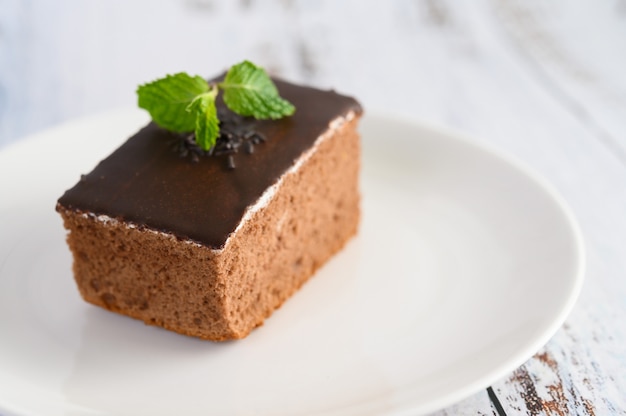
[{"x": 224, "y": 294}]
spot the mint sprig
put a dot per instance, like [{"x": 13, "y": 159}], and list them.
[
  {"x": 168, "y": 99},
  {"x": 249, "y": 91},
  {"x": 182, "y": 103},
  {"x": 207, "y": 124}
]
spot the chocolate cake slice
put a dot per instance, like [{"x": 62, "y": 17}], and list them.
[{"x": 192, "y": 245}]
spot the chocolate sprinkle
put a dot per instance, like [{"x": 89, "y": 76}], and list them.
[
  {"x": 236, "y": 132},
  {"x": 231, "y": 162}
]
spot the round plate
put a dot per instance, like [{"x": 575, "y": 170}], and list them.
[{"x": 464, "y": 266}]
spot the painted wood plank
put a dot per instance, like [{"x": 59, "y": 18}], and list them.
[
  {"x": 576, "y": 373},
  {"x": 576, "y": 50}
]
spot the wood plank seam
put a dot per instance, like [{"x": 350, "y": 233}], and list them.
[{"x": 495, "y": 401}]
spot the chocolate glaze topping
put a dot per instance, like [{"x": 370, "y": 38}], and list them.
[{"x": 148, "y": 184}]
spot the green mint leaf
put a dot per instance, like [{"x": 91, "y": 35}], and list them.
[
  {"x": 249, "y": 91},
  {"x": 206, "y": 124},
  {"x": 168, "y": 100}
]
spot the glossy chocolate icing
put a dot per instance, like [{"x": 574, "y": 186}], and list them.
[{"x": 147, "y": 183}]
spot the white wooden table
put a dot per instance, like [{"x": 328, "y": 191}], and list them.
[{"x": 543, "y": 81}]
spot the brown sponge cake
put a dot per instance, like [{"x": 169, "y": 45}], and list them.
[{"x": 209, "y": 251}]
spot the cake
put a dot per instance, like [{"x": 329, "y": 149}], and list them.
[{"x": 194, "y": 246}]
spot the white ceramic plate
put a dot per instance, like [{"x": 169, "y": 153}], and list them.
[{"x": 465, "y": 265}]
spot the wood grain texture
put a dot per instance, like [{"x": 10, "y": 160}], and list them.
[
  {"x": 543, "y": 81},
  {"x": 573, "y": 50}
]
